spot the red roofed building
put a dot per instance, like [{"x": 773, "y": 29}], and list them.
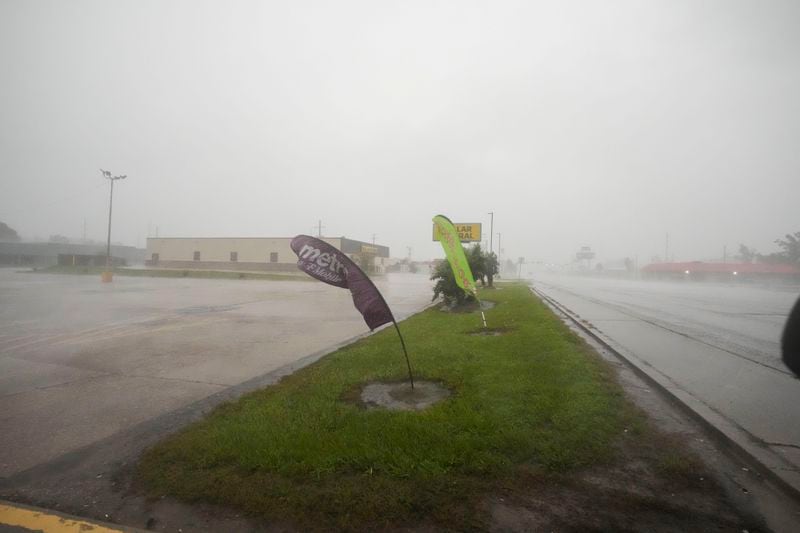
[{"x": 720, "y": 271}]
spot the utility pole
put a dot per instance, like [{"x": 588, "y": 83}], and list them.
[
  {"x": 491, "y": 230},
  {"x": 319, "y": 227},
  {"x": 107, "y": 175},
  {"x": 373, "y": 238},
  {"x": 409, "y": 253},
  {"x": 499, "y": 245}
]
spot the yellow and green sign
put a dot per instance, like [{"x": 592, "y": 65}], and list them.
[
  {"x": 466, "y": 232},
  {"x": 448, "y": 236}
]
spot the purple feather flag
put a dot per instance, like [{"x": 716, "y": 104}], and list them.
[{"x": 322, "y": 261}]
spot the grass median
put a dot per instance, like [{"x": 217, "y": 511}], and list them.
[{"x": 534, "y": 403}]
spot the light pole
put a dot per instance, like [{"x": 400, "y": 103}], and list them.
[
  {"x": 491, "y": 230},
  {"x": 106, "y": 174}
]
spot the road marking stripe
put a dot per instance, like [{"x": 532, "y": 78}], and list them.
[
  {"x": 48, "y": 523},
  {"x": 57, "y": 338},
  {"x": 159, "y": 329},
  {"x": 132, "y": 327}
]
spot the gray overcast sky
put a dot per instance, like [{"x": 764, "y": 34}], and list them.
[{"x": 599, "y": 123}]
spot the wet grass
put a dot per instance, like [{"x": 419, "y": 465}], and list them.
[
  {"x": 169, "y": 273},
  {"x": 297, "y": 453}
]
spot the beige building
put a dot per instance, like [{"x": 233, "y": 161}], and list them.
[{"x": 252, "y": 253}]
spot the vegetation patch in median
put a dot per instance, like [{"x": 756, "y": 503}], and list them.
[{"x": 530, "y": 413}]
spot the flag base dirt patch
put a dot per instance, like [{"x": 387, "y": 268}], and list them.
[{"x": 399, "y": 396}]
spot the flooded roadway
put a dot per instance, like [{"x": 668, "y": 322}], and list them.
[{"x": 717, "y": 345}]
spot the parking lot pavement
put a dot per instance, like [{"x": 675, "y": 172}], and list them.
[{"x": 81, "y": 360}]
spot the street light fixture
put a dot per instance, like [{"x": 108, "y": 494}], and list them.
[{"x": 107, "y": 276}]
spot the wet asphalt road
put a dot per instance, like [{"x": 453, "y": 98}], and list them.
[
  {"x": 718, "y": 343},
  {"x": 81, "y": 361}
]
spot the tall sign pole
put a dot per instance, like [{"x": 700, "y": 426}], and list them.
[
  {"x": 107, "y": 174},
  {"x": 491, "y": 230}
]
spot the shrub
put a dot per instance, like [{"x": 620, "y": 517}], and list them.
[{"x": 446, "y": 285}]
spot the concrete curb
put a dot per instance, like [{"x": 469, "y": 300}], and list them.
[{"x": 726, "y": 433}]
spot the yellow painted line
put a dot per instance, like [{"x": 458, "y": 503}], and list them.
[{"x": 46, "y": 522}]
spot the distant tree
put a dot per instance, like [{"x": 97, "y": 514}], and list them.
[
  {"x": 629, "y": 266},
  {"x": 775, "y": 258},
  {"x": 477, "y": 263},
  {"x": 746, "y": 254},
  {"x": 8, "y": 233},
  {"x": 790, "y": 247},
  {"x": 491, "y": 266},
  {"x": 59, "y": 238}
]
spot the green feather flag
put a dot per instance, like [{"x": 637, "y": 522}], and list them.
[{"x": 455, "y": 256}]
